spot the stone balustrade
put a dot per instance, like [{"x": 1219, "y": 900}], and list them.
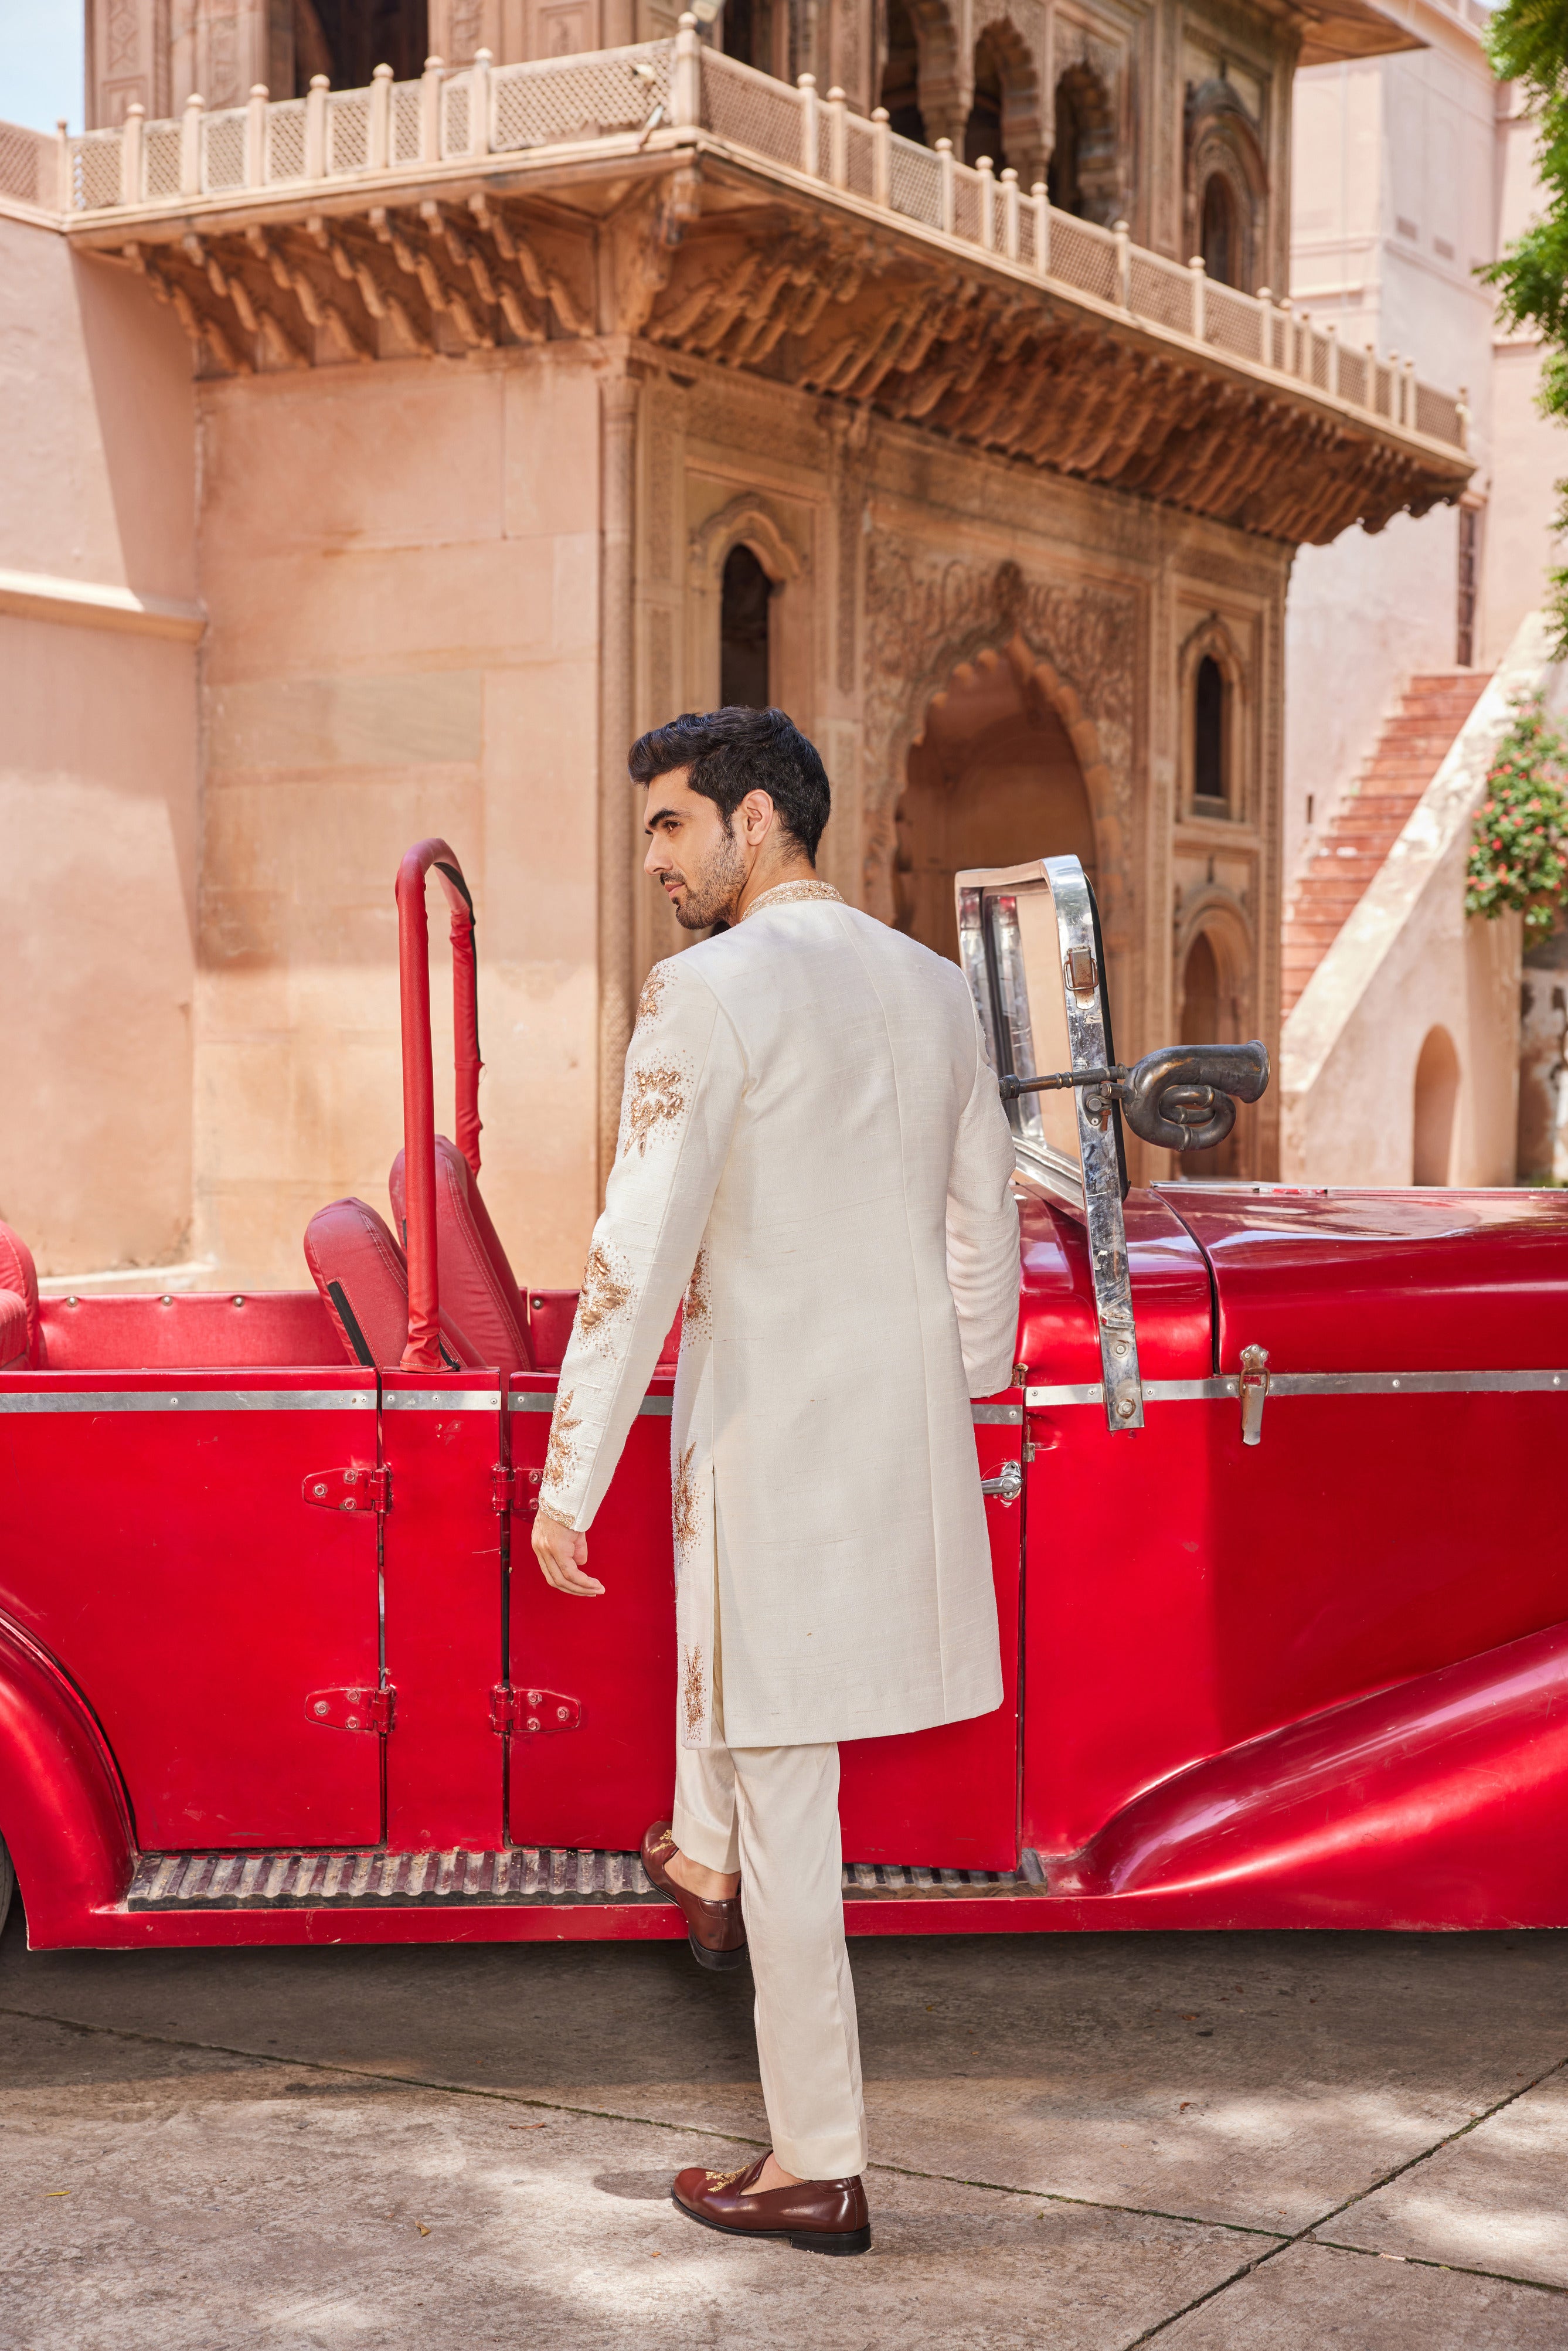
[{"x": 661, "y": 93}]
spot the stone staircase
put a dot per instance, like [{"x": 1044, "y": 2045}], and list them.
[{"x": 1371, "y": 816}]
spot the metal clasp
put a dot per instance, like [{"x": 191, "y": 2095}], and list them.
[
  {"x": 1253, "y": 1387},
  {"x": 1007, "y": 1486}
]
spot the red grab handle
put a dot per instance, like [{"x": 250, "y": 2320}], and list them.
[{"x": 423, "y": 1353}]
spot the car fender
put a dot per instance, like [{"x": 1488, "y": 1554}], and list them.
[
  {"x": 63, "y": 1809},
  {"x": 1435, "y": 1804}
]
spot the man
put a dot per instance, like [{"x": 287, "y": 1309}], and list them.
[{"x": 813, "y": 1153}]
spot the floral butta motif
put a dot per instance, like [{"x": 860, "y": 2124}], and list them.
[
  {"x": 653, "y": 996},
  {"x": 560, "y": 1457},
  {"x": 605, "y": 1295},
  {"x": 657, "y": 1099},
  {"x": 696, "y": 1314},
  {"x": 683, "y": 1504},
  {"x": 694, "y": 1688}
]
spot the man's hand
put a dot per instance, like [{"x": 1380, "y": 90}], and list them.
[{"x": 562, "y": 1555}]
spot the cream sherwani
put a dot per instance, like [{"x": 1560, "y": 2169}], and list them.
[{"x": 813, "y": 1151}]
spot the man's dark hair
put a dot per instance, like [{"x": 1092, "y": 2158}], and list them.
[{"x": 734, "y": 751}]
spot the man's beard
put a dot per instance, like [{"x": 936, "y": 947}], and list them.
[{"x": 711, "y": 893}]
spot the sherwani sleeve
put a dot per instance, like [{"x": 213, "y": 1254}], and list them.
[
  {"x": 685, "y": 1075},
  {"x": 983, "y": 1266}
]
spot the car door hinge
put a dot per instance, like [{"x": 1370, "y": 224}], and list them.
[
  {"x": 357, "y": 1488},
  {"x": 532, "y": 1709},
  {"x": 351, "y": 1709}
]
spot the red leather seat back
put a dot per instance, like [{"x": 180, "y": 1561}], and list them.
[
  {"x": 13, "y": 1332},
  {"x": 18, "y": 1275},
  {"x": 360, "y": 1271},
  {"x": 471, "y": 1269}
]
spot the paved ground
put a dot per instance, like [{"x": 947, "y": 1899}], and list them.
[{"x": 1219, "y": 2143}]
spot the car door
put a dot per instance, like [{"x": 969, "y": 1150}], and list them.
[{"x": 157, "y": 1536}]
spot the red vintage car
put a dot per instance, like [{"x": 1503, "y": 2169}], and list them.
[{"x": 1277, "y": 1548}]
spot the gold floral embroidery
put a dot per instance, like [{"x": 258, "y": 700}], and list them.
[
  {"x": 658, "y": 1098},
  {"x": 557, "y": 1517},
  {"x": 684, "y": 1503},
  {"x": 604, "y": 1295},
  {"x": 728, "y": 2179},
  {"x": 652, "y": 990},
  {"x": 694, "y": 1691},
  {"x": 696, "y": 1314},
  {"x": 562, "y": 1457},
  {"x": 790, "y": 894}
]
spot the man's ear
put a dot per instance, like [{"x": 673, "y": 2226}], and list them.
[{"x": 756, "y": 816}]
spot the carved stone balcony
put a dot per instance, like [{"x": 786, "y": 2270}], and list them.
[{"x": 666, "y": 194}]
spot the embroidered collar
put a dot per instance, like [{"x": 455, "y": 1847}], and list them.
[{"x": 789, "y": 893}]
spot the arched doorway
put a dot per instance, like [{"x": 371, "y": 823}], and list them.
[
  {"x": 1220, "y": 241},
  {"x": 1207, "y": 1018},
  {"x": 1084, "y": 176},
  {"x": 346, "y": 40},
  {"x": 983, "y": 131},
  {"x": 1437, "y": 1098},
  {"x": 901, "y": 75},
  {"x": 743, "y": 663},
  {"x": 993, "y": 780}
]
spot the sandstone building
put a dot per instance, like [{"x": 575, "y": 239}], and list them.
[{"x": 390, "y": 448}]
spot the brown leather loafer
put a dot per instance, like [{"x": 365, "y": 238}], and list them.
[
  {"x": 818, "y": 2216},
  {"x": 715, "y": 1929}
]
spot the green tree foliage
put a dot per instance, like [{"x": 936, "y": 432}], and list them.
[
  {"x": 1528, "y": 43},
  {"x": 1519, "y": 847}
]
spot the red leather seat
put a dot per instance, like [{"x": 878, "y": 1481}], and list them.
[
  {"x": 13, "y": 1332},
  {"x": 472, "y": 1274},
  {"x": 18, "y": 1275},
  {"x": 360, "y": 1270}
]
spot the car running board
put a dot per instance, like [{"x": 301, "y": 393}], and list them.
[{"x": 521, "y": 1876}]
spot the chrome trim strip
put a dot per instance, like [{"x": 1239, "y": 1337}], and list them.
[
  {"x": 442, "y": 1400},
  {"x": 173, "y": 1400},
  {"x": 1314, "y": 1384},
  {"x": 660, "y": 1408}
]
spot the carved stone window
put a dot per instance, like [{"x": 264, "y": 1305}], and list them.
[
  {"x": 744, "y": 599},
  {"x": 1213, "y": 731},
  {"x": 1085, "y": 175},
  {"x": 1227, "y": 184}
]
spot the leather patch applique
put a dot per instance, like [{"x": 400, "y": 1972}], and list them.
[
  {"x": 696, "y": 1314},
  {"x": 652, "y": 993},
  {"x": 562, "y": 1457},
  {"x": 604, "y": 1296},
  {"x": 792, "y": 893},
  {"x": 657, "y": 1099},
  {"x": 683, "y": 1505},
  {"x": 693, "y": 1689}
]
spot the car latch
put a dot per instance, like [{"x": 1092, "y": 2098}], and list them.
[
  {"x": 523, "y": 1710},
  {"x": 357, "y": 1487},
  {"x": 1253, "y": 1387},
  {"x": 1007, "y": 1486},
  {"x": 351, "y": 1709}
]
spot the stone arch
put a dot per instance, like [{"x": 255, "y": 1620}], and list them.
[
  {"x": 746, "y": 521},
  {"x": 931, "y": 85},
  {"x": 1215, "y": 964},
  {"x": 1211, "y": 640},
  {"x": 1085, "y": 172},
  {"x": 1004, "y": 77},
  {"x": 1043, "y": 688},
  {"x": 1436, "y": 1107},
  {"x": 1225, "y": 163}
]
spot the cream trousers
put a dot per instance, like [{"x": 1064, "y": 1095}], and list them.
[{"x": 772, "y": 1812}]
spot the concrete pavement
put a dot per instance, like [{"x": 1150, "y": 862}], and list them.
[{"x": 1217, "y": 2143}]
